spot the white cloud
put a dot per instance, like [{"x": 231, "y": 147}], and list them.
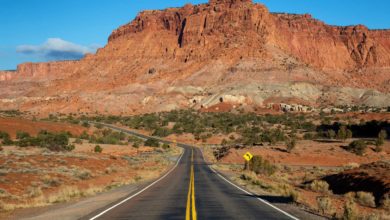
[{"x": 57, "y": 49}]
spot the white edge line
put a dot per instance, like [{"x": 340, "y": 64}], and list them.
[
  {"x": 251, "y": 194},
  {"x": 130, "y": 197}
]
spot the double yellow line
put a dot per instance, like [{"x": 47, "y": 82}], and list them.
[{"x": 191, "y": 208}]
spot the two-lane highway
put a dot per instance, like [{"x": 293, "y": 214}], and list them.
[{"x": 191, "y": 190}]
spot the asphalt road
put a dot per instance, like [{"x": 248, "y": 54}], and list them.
[{"x": 191, "y": 190}]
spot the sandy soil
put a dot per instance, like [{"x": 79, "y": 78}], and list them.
[
  {"x": 310, "y": 153},
  {"x": 12, "y": 125},
  {"x": 366, "y": 116}
]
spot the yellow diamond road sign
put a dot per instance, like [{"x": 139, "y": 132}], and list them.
[{"x": 248, "y": 156}]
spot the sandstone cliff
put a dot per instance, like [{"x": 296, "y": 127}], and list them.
[{"x": 164, "y": 59}]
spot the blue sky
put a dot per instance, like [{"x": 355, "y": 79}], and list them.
[{"x": 41, "y": 30}]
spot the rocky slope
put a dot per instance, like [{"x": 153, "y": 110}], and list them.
[{"x": 197, "y": 55}]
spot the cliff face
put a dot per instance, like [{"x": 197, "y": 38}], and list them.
[
  {"x": 165, "y": 58},
  {"x": 226, "y": 24},
  {"x": 35, "y": 71}
]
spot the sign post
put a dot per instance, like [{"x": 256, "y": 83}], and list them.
[{"x": 248, "y": 157}]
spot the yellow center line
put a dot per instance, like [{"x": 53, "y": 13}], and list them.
[
  {"x": 193, "y": 194},
  {"x": 191, "y": 208}
]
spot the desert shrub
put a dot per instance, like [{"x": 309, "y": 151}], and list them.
[
  {"x": 378, "y": 148},
  {"x": 331, "y": 134},
  {"x": 350, "y": 211},
  {"x": 166, "y": 146},
  {"x": 272, "y": 136},
  {"x": 33, "y": 192},
  {"x": 54, "y": 141},
  {"x": 293, "y": 195},
  {"x": 6, "y": 139},
  {"x": 107, "y": 136},
  {"x": 45, "y": 139},
  {"x": 85, "y": 124},
  {"x": 69, "y": 147},
  {"x": 51, "y": 181},
  {"x": 357, "y": 147},
  {"x": 161, "y": 132},
  {"x": 291, "y": 144},
  {"x": 365, "y": 199},
  {"x": 98, "y": 149},
  {"x": 309, "y": 136},
  {"x": 385, "y": 203},
  {"x": 380, "y": 140},
  {"x": 84, "y": 135},
  {"x": 25, "y": 142},
  {"x": 83, "y": 174},
  {"x": 78, "y": 141},
  {"x": 349, "y": 134},
  {"x": 151, "y": 142},
  {"x": 261, "y": 166},
  {"x": 111, "y": 169},
  {"x": 372, "y": 216},
  {"x": 22, "y": 135},
  {"x": 98, "y": 126},
  {"x": 343, "y": 133},
  {"x": 135, "y": 145},
  {"x": 134, "y": 139},
  {"x": 324, "y": 204},
  {"x": 224, "y": 142},
  {"x": 319, "y": 186},
  {"x": 4, "y": 134}
]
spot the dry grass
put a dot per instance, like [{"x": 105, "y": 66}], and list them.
[
  {"x": 365, "y": 199},
  {"x": 385, "y": 204},
  {"x": 319, "y": 186},
  {"x": 45, "y": 178},
  {"x": 325, "y": 206}
]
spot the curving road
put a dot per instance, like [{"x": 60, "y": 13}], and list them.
[{"x": 191, "y": 190}]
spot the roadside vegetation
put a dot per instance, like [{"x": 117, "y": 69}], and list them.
[{"x": 282, "y": 137}]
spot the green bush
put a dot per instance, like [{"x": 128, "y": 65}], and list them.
[
  {"x": 161, "y": 132},
  {"x": 51, "y": 141},
  {"x": 6, "y": 139},
  {"x": 84, "y": 135},
  {"x": 22, "y": 135},
  {"x": 357, "y": 147},
  {"x": 77, "y": 141},
  {"x": 166, "y": 146},
  {"x": 108, "y": 136},
  {"x": 135, "y": 145},
  {"x": 85, "y": 124},
  {"x": 98, "y": 149},
  {"x": 151, "y": 142},
  {"x": 69, "y": 147},
  {"x": 343, "y": 133},
  {"x": 261, "y": 166},
  {"x": 381, "y": 138},
  {"x": 331, "y": 134},
  {"x": 4, "y": 134}
]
